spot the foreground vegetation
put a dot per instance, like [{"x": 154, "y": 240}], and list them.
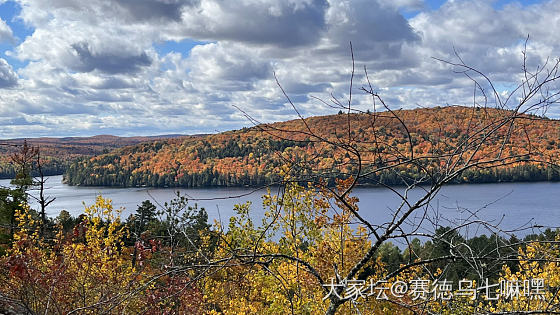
[{"x": 170, "y": 261}]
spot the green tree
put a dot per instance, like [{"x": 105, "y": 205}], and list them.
[
  {"x": 145, "y": 214},
  {"x": 11, "y": 199}
]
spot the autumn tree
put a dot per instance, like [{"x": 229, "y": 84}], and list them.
[
  {"x": 315, "y": 251},
  {"x": 88, "y": 271},
  {"x": 497, "y": 131},
  {"x": 12, "y": 198},
  {"x": 145, "y": 214}
]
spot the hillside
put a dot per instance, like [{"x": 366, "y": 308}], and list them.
[
  {"x": 59, "y": 152},
  {"x": 255, "y": 156}
]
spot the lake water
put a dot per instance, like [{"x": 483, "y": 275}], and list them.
[{"x": 513, "y": 205}]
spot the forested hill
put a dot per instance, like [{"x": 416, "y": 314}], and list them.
[
  {"x": 251, "y": 156},
  {"x": 58, "y": 153}
]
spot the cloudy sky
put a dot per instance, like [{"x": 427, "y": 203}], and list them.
[{"x": 146, "y": 67}]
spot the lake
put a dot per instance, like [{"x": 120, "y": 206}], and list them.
[{"x": 513, "y": 205}]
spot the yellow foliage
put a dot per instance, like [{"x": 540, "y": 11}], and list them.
[
  {"x": 90, "y": 275},
  {"x": 278, "y": 285}
]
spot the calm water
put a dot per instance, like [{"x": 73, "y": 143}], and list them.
[{"x": 513, "y": 205}]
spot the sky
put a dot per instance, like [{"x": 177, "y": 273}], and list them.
[{"x": 148, "y": 67}]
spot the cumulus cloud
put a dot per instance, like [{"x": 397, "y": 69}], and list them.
[
  {"x": 40, "y": 12},
  {"x": 404, "y": 4},
  {"x": 488, "y": 39},
  {"x": 96, "y": 65},
  {"x": 377, "y": 32},
  {"x": 280, "y": 23},
  {"x": 108, "y": 62},
  {"x": 141, "y": 10},
  {"x": 8, "y": 78},
  {"x": 218, "y": 62},
  {"x": 6, "y": 34}
]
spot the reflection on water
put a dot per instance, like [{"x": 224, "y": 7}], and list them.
[{"x": 511, "y": 204}]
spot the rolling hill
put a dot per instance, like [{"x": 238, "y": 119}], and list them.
[
  {"x": 258, "y": 155},
  {"x": 57, "y": 153}
]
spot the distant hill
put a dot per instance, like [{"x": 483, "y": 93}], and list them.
[
  {"x": 255, "y": 156},
  {"x": 59, "y": 152}
]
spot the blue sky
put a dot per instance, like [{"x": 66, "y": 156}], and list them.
[
  {"x": 144, "y": 67},
  {"x": 8, "y": 12}
]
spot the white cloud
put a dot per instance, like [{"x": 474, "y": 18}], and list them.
[
  {"x": 94, "y": 65},
  {"x": 280, "y": 23},
  {"x": 404, "y": 4},
  {"x": 6, "y": 34},
  {"x": 8, "y": 78}
]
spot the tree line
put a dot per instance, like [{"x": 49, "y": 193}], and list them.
[{"x": 254, "y": 156}]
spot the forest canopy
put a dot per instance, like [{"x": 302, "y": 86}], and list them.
[{"x": 254, "y": 156}]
